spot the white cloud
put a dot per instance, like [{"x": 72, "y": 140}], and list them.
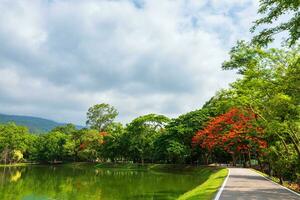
[{"x": 60, "y": 57}]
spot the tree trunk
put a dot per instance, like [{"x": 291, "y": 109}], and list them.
[
  {"x": 259, "y": 163},
  {"x": 244, "y": 161},
  {"x": 206, "y": 155},
  {"x": 249, "y": 157},
  {"x": 233, "y": 160},
  {"x": 280, "y": 180}
]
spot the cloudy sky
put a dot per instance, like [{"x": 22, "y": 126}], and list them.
[{"x": 59, "y": 57}]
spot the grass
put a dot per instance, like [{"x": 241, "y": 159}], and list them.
[
  {"x": 15, "y": 165},
  {"x": 208, "y": 189}
]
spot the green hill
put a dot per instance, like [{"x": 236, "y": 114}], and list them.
[{"x": 35, "y": 124}]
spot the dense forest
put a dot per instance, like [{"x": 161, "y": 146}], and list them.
[{"x": 253, "y": 122}]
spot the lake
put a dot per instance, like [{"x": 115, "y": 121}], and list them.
[{"x": 86, "y": 182}]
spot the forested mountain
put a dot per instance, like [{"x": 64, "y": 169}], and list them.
[{"x": 35, "y": 124}]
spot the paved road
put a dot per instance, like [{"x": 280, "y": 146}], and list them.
[{"x": 245, "y": 184}]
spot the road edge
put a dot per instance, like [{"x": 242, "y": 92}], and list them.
[
  {"x": 222, "y": 186},
  {"x": 296, "y": 193}
]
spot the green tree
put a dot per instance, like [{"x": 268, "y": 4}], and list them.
[
  {"x": 272, "y": 10},
  {"x": 100, "y": 116},
  {"x": 269, "y": 87},
  {"x": 112, "y": 147},
  {"x": 13, "y": 140},
  {"x": 142, "y": 133},
  {"x": 50, "y": 147},
  {"x": 90, "y": 145},
  {"x": 177, "y": 144},
  {"x": 66, "y": 129}
]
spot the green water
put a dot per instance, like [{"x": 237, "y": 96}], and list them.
[{"x": 88, "y": 183}]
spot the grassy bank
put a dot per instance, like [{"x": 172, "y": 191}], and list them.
[
  {"x": 208, "y": 189},
  {"x": 16, "y": 165},
  {"x": 210, "y": 181}
]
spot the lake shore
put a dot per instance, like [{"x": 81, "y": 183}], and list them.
[{"x": 212, "y": 178}]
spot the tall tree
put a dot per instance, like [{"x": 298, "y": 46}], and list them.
[
  {"x": 112, "y": 147},
  {"x": 142, "y": 133},
  {"x": 269, "y": 87},
  {"x": 50, "y": 147},
  {"x": 13, "y": 139},
  {"x": 236, "y": 132},
  {"x": 100, "y": 116},
  {"x": 175, "y": 146},
  {"x": 66, "y": 129},
  {"x": 272, "y": 10}
]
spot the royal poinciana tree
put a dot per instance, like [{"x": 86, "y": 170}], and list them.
[{"x": 236, "y": 132}]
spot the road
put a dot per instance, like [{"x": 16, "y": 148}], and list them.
[{"x": 245, "y": 184}]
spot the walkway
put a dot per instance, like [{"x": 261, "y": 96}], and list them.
[{"x": 245, "y": 184}]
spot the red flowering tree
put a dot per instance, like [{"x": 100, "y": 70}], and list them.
[{"x": 235, "y": 132}]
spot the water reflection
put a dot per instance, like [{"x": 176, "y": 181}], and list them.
[
  {"x": 16, "y": 176},
  {"x": 89, "y": 183}
]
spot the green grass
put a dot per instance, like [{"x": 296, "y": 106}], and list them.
[
  {"x": 208, "y": 189},
  {"x": 15, "y": 165}
]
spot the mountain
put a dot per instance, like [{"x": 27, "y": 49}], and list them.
[{"x": 35, "y": 124}]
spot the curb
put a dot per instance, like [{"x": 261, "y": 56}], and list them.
[
  {"x": 276, "y": 183},
  {"x": 222, "y": 187}
]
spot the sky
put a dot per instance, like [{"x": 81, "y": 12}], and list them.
[{"x": 59, "y": 57}]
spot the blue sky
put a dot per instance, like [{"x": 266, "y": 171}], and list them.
[{"x": 59, "y": 57}]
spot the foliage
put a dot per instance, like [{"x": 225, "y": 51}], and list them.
[
  {"x": 235, "y": 132},
  {"x": 175, "y": 145},
  {"x": 66, "y": 129},
  {"x": 113, "y": 147},
  {"x": 50, "y": 147},
  {"x": 90, "y": 145},
  {"x": 273, "y": 10},
  {"x": 100, "y": 116},
  {"x": 14, "y": 142},
  {"x": 142, "y": 132},
  {"x": 269, "y": 87}
]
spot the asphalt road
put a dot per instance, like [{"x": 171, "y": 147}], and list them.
[{"x": 245, "y": 184}]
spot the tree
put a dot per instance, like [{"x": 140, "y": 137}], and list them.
[
  {"x": 90, "y": 145},
  {"x": 50, "y": 147},
  {"x": 142, "y": 133},
  {"x": 175, "y": 146},
  {"x": 14, "y": 142},
  {"x": 112, "y": 147},
  {"x": 66, "y": 129},
  {"x": 272, "y": 11},
  {"x": 100, "y": 116},
  {"x": 269, "y": 87},
  {"x": 236, "y": 132}
]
